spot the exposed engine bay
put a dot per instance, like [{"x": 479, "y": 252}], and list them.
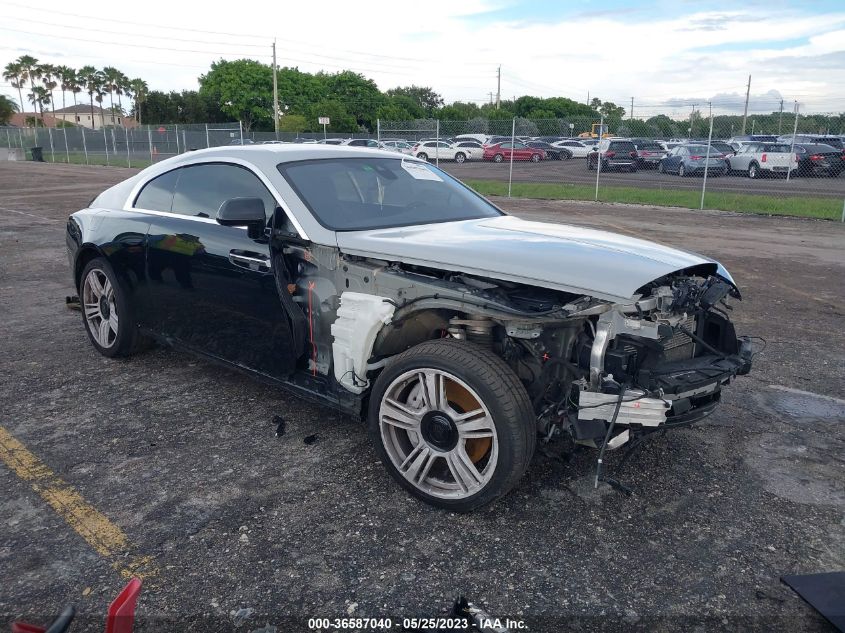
[{"x": 658, "y": 361}]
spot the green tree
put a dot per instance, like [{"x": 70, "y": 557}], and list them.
[
  {"x": 459, "y": 111},
  {"x": 111, "y": 78},
  {"x": 665, "y": 127},
  {"x": 423, "y": 96},
  {"x": 341, "y": 119},
  {"x": 92, "y": 81},
  {"x": 244, "y": 89},
  {"x": 611, "y": 111},
  {"x": 138, "y": 88},
  {"x": 67, "y": 80},
  {"x": 360, "y": 96},
  {"x": 293, "y": 123},
  {"x": 39, "y": 96},
  {"x": 7, "y": 108}
]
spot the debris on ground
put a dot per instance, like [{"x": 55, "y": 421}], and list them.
[
  {"x": 240, "y": 616},
  {"x": 280, "y": 423},
  {"x": 311, "y": 439},
  {"x": 72, "y": 303}
]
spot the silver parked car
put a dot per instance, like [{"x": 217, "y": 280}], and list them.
[
  {"x": 376, "y": 284},
  {"x": 686, "y": 160}
]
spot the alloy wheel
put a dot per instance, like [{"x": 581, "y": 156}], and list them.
[
  {"x": 438, "y": 433},
  {"x": 98, "y": 304}
]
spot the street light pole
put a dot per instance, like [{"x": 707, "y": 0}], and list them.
[{"x": 275, "y": 94}]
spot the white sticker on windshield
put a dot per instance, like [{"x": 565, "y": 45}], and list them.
[{"x": 420, "y": 171}]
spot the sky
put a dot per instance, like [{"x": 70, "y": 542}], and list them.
[{"x": 668, "y": 55}]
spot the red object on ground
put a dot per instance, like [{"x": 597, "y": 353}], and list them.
[
  {"x": 23, "y": 627},
  {"x": 121, "y": 616}
]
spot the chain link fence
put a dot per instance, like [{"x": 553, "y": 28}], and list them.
[
  {"x": 814, "y": 182},
  {"x": 718, "y": 170}
]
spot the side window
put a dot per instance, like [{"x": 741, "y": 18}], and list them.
[
  {"x": 506, "y": 145},
  {"x": 201, "y": 189},
  {"x": 518, "y": 146},
  {"x": 157, "y": 195}
]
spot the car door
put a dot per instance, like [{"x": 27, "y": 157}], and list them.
[
  {"x": 211, "y": 287},
  {"x": 672, "y": 160},
  {"x": 743, "y": 157}
]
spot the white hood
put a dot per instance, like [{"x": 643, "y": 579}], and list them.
[{"x": 569, "y": 258}]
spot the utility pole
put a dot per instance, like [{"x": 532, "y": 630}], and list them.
[
  {"x": 498, "y": 86},
  {"x": 792, "y": 147},
  {"x": 632, "y": 108},
  {"x": 275, "y": 94},
  {"x": 780, "y": 116},
  {"x": 745, "y": 113},
  {"x": 491, "y": 98},
  {"x": 691, "y": 114},
  {"x": 588, "y": 97}
]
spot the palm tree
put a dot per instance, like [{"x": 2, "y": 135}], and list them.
[
  {"x": 111, "y": 76},
  {"x": 121, "y": 88},
  {"x": 48, "y": 78},
  {"x": 39, "y": 96},
  {"x": 29, "y": 69},
  {"x": 139, "y": 88},
  {"x": 13, "y": 73},
  {"x": 67, "y": 76},
  {"x": 92, "y": 80}
]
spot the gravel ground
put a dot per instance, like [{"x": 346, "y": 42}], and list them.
[{"x": 183, "y": 457}]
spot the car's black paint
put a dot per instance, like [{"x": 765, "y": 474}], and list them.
[{"x": 189, "y": 292}]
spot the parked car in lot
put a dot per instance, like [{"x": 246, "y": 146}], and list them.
[
  {"x": 381, "y": 287},
  {"x": 722, "y": 148},
  {"x": 501, "y": 152},
  {"x": 578, "y": 149},
  {"x": 815, "y": 139},
  {"x": 242, "y": 141},
  {"x": 552, "y": 152},
  {"x": 816, "y": 160},
  {"x": 360, "y": 142},
  {"x": 763, "y": 159},
  {"x": 649, "y": 153},
  {"x": 331, "y": 141},
  {"x": 476, "y": 148},
  {"x": 615, "y": 154},
  {"x": 403, "y": 147},
  {"x": 687, "y": 160},
  {"x": 441, "y": 150}
]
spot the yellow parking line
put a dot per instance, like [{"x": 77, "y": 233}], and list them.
[{"x": 105, "y": 537}]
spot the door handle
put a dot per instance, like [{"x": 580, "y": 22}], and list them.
[{"x": 253, "y": 261}]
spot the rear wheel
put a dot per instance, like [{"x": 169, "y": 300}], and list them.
[
  {"x": 660, "y": 168},
  {"x": 460, "y": 157},
  {"x": 535, "y": 158},
  {"x": 106, "y": 311},
  {"x": 452, "y": 424},
  {"x": 753, "y": 171},
  {"x": 422, "y": 156},
  {"x": 682, "y": 171},
  {"x": 498, "y": 158}
]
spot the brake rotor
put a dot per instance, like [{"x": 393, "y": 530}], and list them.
[{"x": 462, "y": 401}]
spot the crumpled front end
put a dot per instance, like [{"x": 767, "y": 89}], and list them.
[{"x": 658, "y": 362}]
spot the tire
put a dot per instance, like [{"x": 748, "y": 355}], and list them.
[
  {"x": 405, "y": 419},
  {"x": 682, "y": 171},
  {"x": 460, "y": 157},
  {"x": 633, "y": 170},
  {"x": 422, "y": 156},
  {"x": 535, "y": 158},
  {"x": 590, "y": 166},
  {"x": 728, "y": 168},
  {"x": 753, "y": 171},
  {"x": 106, "y": 311},
  {"x": 660, "y": 168},
  {"x": 564, "y": 155},
  {"x": 498, "y": 158}
]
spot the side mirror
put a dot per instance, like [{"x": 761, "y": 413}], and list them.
[{"x": 248, "y": 212}]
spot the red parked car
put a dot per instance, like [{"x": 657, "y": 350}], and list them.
[{"x": 502, "y": 151}]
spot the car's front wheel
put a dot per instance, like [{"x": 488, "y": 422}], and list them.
[
  {"x": 106, "y": 311},
  {"x": 422, "y": 156},
  {"x": 498, "y": 158},
  {"x": 460, "y": 157},
  {"x": 753, "y": 171},
  {"x": 452, "y": 424},
  {"x": 682, "y": 171},
  {"x": 535, "y": 158}
]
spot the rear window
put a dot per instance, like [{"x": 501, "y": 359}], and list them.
[
  {"x": 622, "y": 146},
  {"x": 648, "y": 145},
  {"x": 779, "y": 148},
  {"x": 354, "y": 194},
  {"x": 833, "y": 142}
]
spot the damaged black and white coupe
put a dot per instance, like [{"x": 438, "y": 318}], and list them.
[{"x": 381, "y": 286}]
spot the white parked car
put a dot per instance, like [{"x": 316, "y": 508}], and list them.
[
  {"x": 578, "y": 149},
  {"x": 763, "y": 159},
  {"x": 403, "y": 147},
  {"x": 476, "y": 148},
  {"x": 433, "y": 150}
]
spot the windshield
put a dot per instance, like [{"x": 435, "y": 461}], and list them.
[{"x": 353, "y": 194}]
